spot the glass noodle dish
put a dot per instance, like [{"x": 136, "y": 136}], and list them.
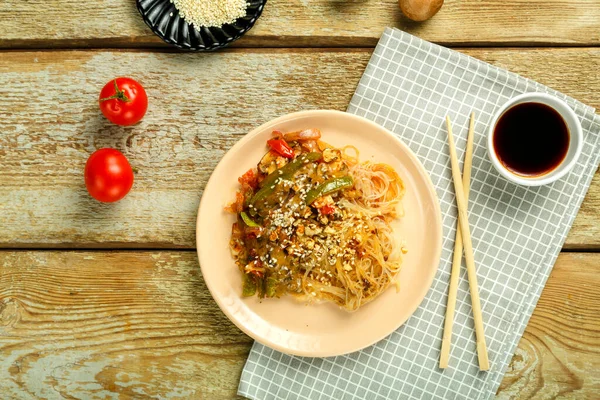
[{"x": 315, "y": 222}]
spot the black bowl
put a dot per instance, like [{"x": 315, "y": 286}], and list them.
[{"x": 174, "y": 30}]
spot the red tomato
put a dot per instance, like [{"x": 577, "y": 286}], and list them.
[
  {"x": 108, "y": 175},
  {"x": 327, "y": 210},
  {"x": 123, "y": 101}
]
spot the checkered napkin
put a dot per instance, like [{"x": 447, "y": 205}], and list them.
[{"x": 408, "y": 87}]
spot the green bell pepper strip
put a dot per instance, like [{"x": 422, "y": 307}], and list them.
[
  {"x": 248, "y": 286},
  {"x": 262, "y": 194},
  {"x": 328, "y": 187},
  {"x": 290, "y": 168},
  {"x": 248, "y": 221},
  {"x": 271, "y": 287},
  {"x": 247, "y": 197},
  {"x": 268, "y": 184}
]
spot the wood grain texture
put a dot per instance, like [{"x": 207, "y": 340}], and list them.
[
  {"x": 559, "y": 354},
  {"x": 113, "y": 325},
  {"x": 200, "y": 105},
  {"x": 286, "y": 23},
  {"x": 128, "y": 324}
]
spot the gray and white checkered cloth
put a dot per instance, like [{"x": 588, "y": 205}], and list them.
[{"x": 408, "y": 87}]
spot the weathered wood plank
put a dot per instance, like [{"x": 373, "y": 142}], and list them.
[
  {"x": 104, "y": 325},
  {"x": 71, "y": 23},
  {"x": 559, "y": 354},
  {"x": 200, "y": 105},
  {"x": 143, "y": 325}
]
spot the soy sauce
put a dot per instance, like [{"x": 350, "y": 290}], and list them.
[{"x": 531, "y": 139}]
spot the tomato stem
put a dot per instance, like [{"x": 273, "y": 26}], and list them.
[{"x": 119, "y": 95}]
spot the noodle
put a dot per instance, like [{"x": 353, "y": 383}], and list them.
[{"x": 318, "y": 229}]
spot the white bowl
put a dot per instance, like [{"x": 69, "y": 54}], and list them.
[{"x": 575, "y": 140}]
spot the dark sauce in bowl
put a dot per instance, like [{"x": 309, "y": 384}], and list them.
[{"x": 531, "y": 139}]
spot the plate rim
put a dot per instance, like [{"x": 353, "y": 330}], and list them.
[{"x": 438, "y": 236}]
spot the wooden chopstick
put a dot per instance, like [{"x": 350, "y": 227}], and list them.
[
  {"x": 458, "y": 250},
  {"x": 461, "y": 202}
]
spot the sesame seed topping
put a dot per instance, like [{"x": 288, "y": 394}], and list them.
[{"x": 210, "y": 13}]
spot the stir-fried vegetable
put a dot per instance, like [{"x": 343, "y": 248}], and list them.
[
  {"x": 262, "y": 194},
  {"x": 248, "y": 286},
  {"x": 304, "y": 224},
  {"x": 327, "y": 210},
  {"x": 289, "y": 169},
  {"x": 281, "y": 147},
  {"x": 271, "y": 286},
  {"x": 265, "y": 287},
  {"x": 286, "y": 172},
  {"x": 329, "y": 186},
  {"x": 248, "y": 221},
  {"x": 307, "y": 134},
  {"x": 310, "y": 145}
]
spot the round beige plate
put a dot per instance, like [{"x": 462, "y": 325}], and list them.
[{"x": 321, "y": 330}]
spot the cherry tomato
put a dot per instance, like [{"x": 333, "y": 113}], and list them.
[
  {"x": 123, "y": 101},
  {"x": 108, "y": 175}
]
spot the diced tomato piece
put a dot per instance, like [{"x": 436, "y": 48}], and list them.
[
  {"x": 327, "y": 210},
  {"x": 239, "y": 202},
  {"x": 249, "y": 178}
]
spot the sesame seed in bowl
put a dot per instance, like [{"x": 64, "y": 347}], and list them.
[
  {"x": 211, "y": 13},
  {"x": 200, "y": 25}
]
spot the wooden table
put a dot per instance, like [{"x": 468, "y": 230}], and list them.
[{"x": 107, "y": 301}]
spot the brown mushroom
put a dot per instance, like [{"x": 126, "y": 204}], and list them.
[{"x": 420, "y": 10}]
